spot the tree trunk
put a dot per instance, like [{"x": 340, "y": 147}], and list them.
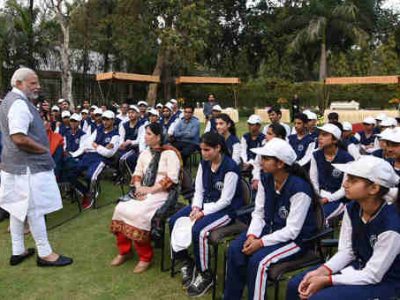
[
  {"x": 66, "y": 74},
  {"x": 152, "y": 92},
  {"x": 323, "y": 63}
]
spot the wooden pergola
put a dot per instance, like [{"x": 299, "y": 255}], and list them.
[
  {"x": 112, "y": 77},
  {"x": 395, "y": 79},
  {"x": 233, "y": 81}
]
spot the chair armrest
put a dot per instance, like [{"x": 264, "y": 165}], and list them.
[
  {"x": 245, "y": 210},
  {"x": 322, "y": 234}
]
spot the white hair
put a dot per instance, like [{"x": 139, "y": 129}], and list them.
[{"x": 20, "y": 75}]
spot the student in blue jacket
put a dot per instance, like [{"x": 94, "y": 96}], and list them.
[
  {"x": 283, "y": 216},
  {"x": 327, "y": 180},
  {"x": 226, "y": 128},
  {"x": 367, "y": 264},
  {"x": 217, "y": 196}
]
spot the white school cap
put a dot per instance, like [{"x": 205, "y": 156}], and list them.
[
  {"x": 369, "y": 120},
  {"x": 381, "y": 117},
  {"x": 173, "y": 101},
  {"x": 310, "y": 115},
  {"x": 169, "y": 106},
  {"x": 347, "y": 126},
  {"x": 372, "y": 168},
  {"x": 76, "y": 117},
  {"x": 94, "y": 107},
  {"x": 154, "y": 112},
  {"x": 84, "y": 111},
  {"x": 142, "y": 103},
  {"x": 60, "y": 101},
  {"x": 181, "y": 236},
  {"x": 277, "y": 148},
  {"x": 217, "y": 108},
  {"x": 159, "y": 105},
  {"x": 391, "y": 135},
  {"x": 332, "y": 129},
  {"x": 98, "y": 111},
  {"x": 65, "y": 114},
  {"x": 254, "y": 119},
  {"x": 389, "y": 122},
  {"x": 108, "y": 114},
  {"x": 134, "y": 107},
  {"x": 55, "y": 108}
]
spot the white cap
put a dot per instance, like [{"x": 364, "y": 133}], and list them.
[
  {"x": 173, "y": 101},
  {"x": 381, "y": 117},
  {"x": 181, "y": 236},
  {"x": 389, "y": 122},
  {"x": 154, "y": 112},
  {"x": 278, "y": 148},
  {"x": 310, "y": 115},
  {"x": 55, "y": 107},
  {"x": 76, "y": 117},
  {"x": 372, "y": 168},
  {"x": 94, "y": 107},
  {"x": 369, "y": 120},
  {"x": 159, "y": 105},
  {"x": 217, "y": 108},
  {"x": 347, "y": 126},
  {"x": 169, "y": 106},
  {"x": 254, "y": 119},
  {"x": 97, "y": 111},
  {"x": 84, "y": 111},
  {"x": 108, "y": 114},
  {"x": 142, "y": 103},
  {"x": 332, "y": 129},
  {"x": 391, "y": 135},
  {"x": 60, "y": 101},
  {"x": 65, "y": 114},
  {"x": 134, "y": 107}
]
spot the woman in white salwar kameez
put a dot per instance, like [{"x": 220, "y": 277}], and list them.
[{"x": 157, "y": 171}]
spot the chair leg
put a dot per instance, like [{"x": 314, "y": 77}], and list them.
[
  {"x": 214, "y": 288},
  {"x": 276, "y": 288},
  {"x": 172, "y": 273},
  {"x": 163, "y": 268}
]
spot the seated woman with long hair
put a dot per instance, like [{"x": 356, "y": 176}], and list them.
[{"x": 157, "y": 171}]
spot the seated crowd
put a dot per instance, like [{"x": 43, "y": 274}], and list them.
[{"x": 292, "y": 172}]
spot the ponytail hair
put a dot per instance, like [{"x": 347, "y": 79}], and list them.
[
  {"x": 214, "y": 139},
  {"x": 228, "y": 120},
  {"x": 299, "y": 171}
]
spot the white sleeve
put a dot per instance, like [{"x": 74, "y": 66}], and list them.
[
  {"x": 345, "y": 253},
  {"x": 314, "y": 175},
  {"x": 122, "y": 133},
  {"x": 265, "y": 129},
  {"x": 198, "y": 189},
  {"x": 231, "y": 180},
  {"x": 142, "y": 143},
  {"x": 236, "y": 153},
  {"x": 257, "y": 217},
  {"x": 208, "y": 127},
  {"x": 287, "y": 128},
  {"x": 171, "y": 128},
  {"x": 19, "y": 118},
  {"x": 82, "y": 143},
  {"x": 256, "y": 172},
  {"x": 299, "y": 206},
  {"x": 103, "y": 151},
  {"x": 385, "y": 251},
  {"x": 307, "y": 156},
  {"x": 354, "y": 150},
  {"x": 65, "y": 143},
  {"x": 339, "y": 194},
  {"x": 357, "y": 136},
  {"x": 243, "y": 150},
  {"x": 391, "y": 196}
]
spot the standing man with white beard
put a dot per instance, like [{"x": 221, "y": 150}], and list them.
[{"x": 28, "y": 186}]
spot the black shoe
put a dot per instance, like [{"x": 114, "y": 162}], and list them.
[
  {"x": 201, "y": 284},
  {"x": 188, "y": 271},
  {"x": 3, "y": 214},
  {"x": 17, "y": 259},
  {"x": 60, "y": 262}
]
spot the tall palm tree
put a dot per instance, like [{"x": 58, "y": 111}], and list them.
[{"x": 329, "y": 24}]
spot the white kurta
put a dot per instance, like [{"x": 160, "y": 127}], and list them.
[
  {"x": 34, "y": 194},
  {"x": 137, "y": 213}
]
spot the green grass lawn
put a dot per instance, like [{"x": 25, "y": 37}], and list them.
[{"x": 87, "y": 239}]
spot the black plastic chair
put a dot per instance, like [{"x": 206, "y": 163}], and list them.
[{"x": 312, "y": 257}]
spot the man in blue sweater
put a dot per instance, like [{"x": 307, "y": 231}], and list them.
[{"x": 187, "y": 133}]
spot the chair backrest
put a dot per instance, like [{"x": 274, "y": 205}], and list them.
[
  {"x": 186, "y": 182},
  {"x": 246, "y": 191},
  {"x": 320, "y": 216}
]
